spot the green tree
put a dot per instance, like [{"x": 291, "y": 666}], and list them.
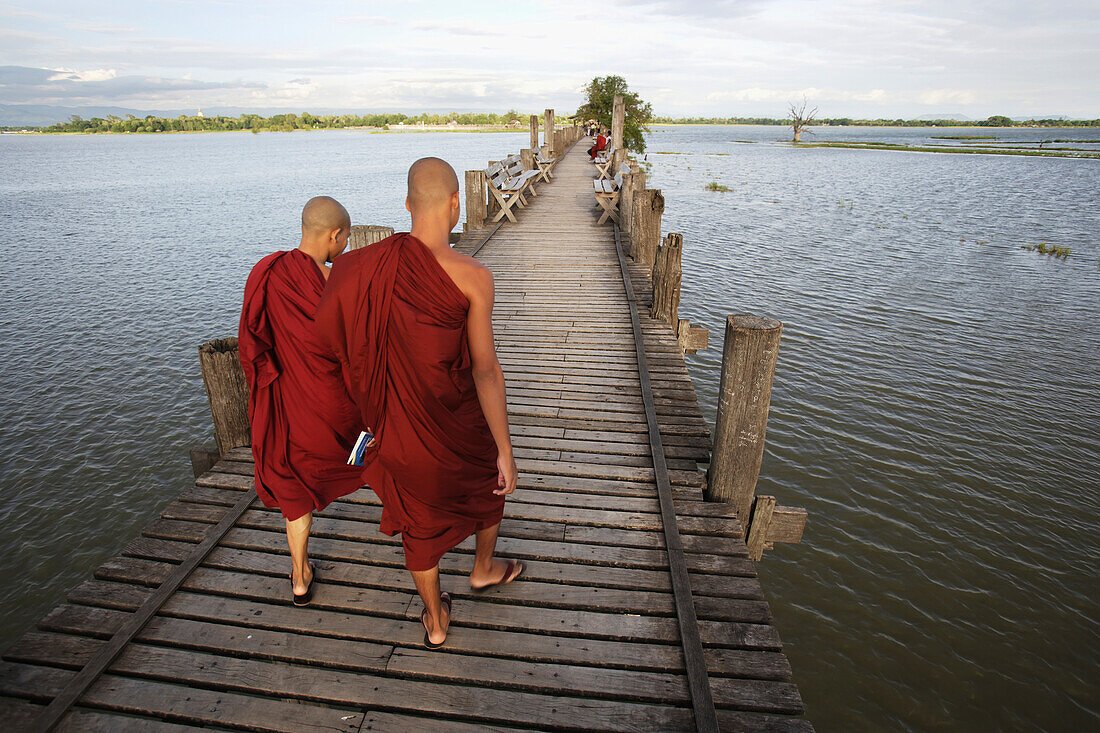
[
  {"x": 600, "y": 98},
  {"x": 997, "y": 121}
]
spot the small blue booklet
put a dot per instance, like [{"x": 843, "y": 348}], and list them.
[{"x": 360, "y": 449}]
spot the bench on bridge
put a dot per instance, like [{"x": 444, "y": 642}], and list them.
[
  {"x": 508, "y": 181},
  {"x": 603, "y": 161},
  {"x": 545, "y": 165},
  {"x": 607, "y": 193}
]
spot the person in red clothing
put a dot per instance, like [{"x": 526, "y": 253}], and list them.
[
  {"x": 601, "y": 144},
  {"x": 303, "y": 422},
  {"x": 410, "y": 321}
]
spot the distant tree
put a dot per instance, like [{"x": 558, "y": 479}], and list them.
[
  {"x": 599, "y": 101},
  {"x": 800, "y": 119},
  {"x": 998, "y": 121}
]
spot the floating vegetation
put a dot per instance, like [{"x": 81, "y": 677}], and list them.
[
  {"x": 841, "y": 203},
  {"x": 1043, "y": 249},
  {"x": 965, "y": 137},
  {"x": 716, "y": 186},
  {"x": 665, "y": 152},
  {"x": 1055, "y": 153}
]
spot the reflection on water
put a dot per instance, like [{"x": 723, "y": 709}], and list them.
[{"x": 935, "y": 405}]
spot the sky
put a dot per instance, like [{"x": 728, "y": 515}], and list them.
[{"x": 849, "y": 58}]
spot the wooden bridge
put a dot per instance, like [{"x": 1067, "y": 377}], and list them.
[{"x": 639, "y": 607}]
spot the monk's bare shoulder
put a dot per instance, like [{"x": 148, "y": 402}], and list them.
[{"x": 474, "y": 279}]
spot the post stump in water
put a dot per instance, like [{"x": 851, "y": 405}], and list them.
[
  {"x": 744, "y": 395},
  {"x": 476, "y": 208},
  {"x": 227, "y": 392},
  {"x": 645, "y": 225},
  {"x": 363, "y": 235},
  {"x": 667, "y": 275}
]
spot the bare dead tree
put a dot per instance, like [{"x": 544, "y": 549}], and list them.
[{"x": 800, "y": 119}]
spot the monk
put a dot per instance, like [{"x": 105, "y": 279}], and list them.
[
  {"x": 601, "y": 144},
  {"x": 304, "y": 424},
  {"x": 410, "y": 321}
]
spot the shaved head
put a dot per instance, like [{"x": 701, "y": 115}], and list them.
[
  {"x": 432, "y": 182},
  {"x": 322, "y": 214}
]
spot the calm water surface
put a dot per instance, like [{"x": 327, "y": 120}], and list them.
[{"x": 935, "y": 407}]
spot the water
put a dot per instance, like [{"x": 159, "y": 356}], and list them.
[{"x": 935, "y": 405}]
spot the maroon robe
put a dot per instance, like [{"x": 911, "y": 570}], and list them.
[
  {"x": 397, "y": 323},
  {"x": 303, "y": 422}
]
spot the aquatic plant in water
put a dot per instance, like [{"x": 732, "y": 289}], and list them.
[
  {"x": 716, "y": 186},
  {"x": 1043, "y": 249}
]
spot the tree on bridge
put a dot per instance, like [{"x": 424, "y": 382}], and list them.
[{"x": 599, "y": 100}]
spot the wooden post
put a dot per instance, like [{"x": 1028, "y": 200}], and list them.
[
  {"x": 762, "y": 513},
  {"x": 632, "y": 183},
  {"x": 364, "y": 235},
  {"x": 534, "y": 132},
  {"x": 666, "y": 281},
  {"x": 548, "y": 133},
  {"x": 744, "y": 395},
  {"x": 645, "y": 227},
  {"x": 476, "y": 210},
  {"x": 618, "y": 120},
  {"x": 227, "y": 392},
  {"x": 528, "y": 157}
]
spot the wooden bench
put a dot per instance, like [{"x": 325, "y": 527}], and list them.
[
  {"x": 545, "y": 164},
  {"x": 607, "y": 193},
  {"x": 507, "y": 190},
  {"x": 517, "y": 171},
  {"x": 603, "y": 161}
]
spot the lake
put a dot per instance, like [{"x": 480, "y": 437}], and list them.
[{"x": 935, "y": 405}]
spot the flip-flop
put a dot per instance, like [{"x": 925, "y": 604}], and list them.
[
  {"x": 303, "y": 599},
  {"x": 445, "y": 599},
  {"x": 510, "y": 574}
]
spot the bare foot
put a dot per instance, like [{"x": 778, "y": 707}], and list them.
[
  {"x": 498, "y": 573},
  {"x": 436, "y": 629}
]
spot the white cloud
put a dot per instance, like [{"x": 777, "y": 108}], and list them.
[{"x": 86, "y": 75}]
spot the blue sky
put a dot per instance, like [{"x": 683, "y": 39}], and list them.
[{"x": 860, "y": 58}]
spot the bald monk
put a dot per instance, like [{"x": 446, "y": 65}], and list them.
[
  {"x": 410, "y": 321},
  {"x": 303, "y": 422}
]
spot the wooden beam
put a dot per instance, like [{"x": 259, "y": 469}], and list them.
[
  {"x": 645, "y": 228},
  {"x": 534, "y": 132},
  {"x": 667, "y": 275}
]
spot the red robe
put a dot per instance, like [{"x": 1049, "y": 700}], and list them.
[
  {"x": 397, "y": 323},
  {"x": 303, "y": 422},
  {"x": 601, "y": 144}
]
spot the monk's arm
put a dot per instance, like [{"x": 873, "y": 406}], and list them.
[{"x": 488, "y": 376}]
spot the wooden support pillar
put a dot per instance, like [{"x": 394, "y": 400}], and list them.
[
  {"x": 476, "y": 210},
  {"x": 227, "y": 392},
  {"x": 528, "y": 157},
  {"x": 534, "y": 132},
  {"x": 618, "y": 121},
  {"x": 548, "y": 133},
  {"x": 744, "y": 395},
  {"x": 645, "y": 227},
  {"x": 666, "y": 281},
  {"x": 762, "y": 512},
  {"x": 364, "y": 235},
  {"x": 632, "y": 183}
]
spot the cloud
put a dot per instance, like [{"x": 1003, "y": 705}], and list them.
[
  {"x": 456, "y": 29},
  {"x": 89, "y": 75},
  {"x": 24, "y": 85},
  {"x": 107, "y": 28}
]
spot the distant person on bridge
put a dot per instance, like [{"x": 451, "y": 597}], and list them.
[
  {"x": 601, "y": 144},
  {"x": 410, "y": 321},
  {"x": 303, "y": 421}
]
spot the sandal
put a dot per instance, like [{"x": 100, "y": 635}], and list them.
[
  {"x": 303, "y": 599},
  {"x": 510, "y": 574},
  {"x": 445, "y": 599}
]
